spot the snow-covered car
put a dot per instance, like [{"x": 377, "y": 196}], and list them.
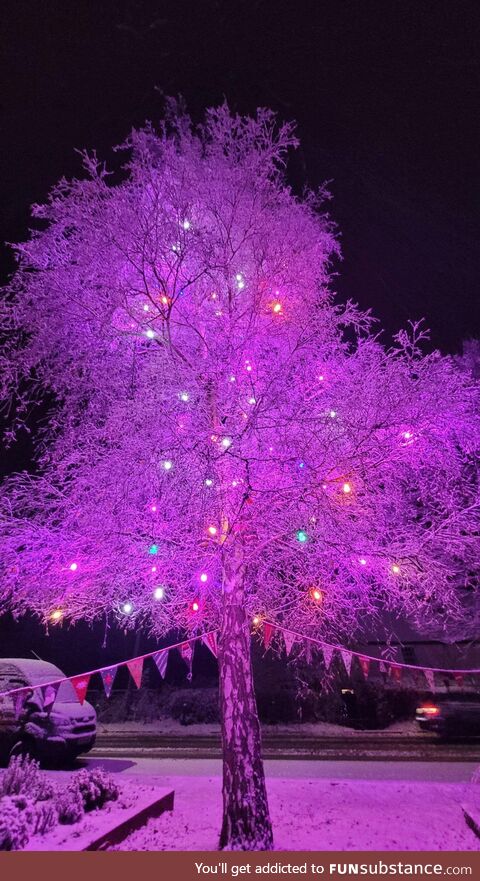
[
  {"x": 451, "y": 715},
  {"x": 58, "y": 734}
]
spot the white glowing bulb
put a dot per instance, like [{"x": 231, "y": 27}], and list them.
[
  {"x": 241, "y": 285},
  {"x": 150, "y": 333},
  {"x": 362, "y": 561},
  {"x": 395, "y": 569},
  {"x": 233, "y": 378},
  {"x": 277, "y": 307},
  {"x": 321, "y": 377},
  {"x": 203, "y": 577},
  {"x": 184, "y": 396},
  {"x": 56, "y": 615},
  {"x": 212, "y": 530},
  {"x": 208, "y": 481},
  {"x": 159, "y": 593},
  {"x": 239, "y": 276},
  {"x": 226, "y": 442},
  {"x": 127, "y": 608},
  {"x": 146, "y": 307},
  {"x": 73, "y": 567},
  {"x": 256, "y": 620},
  {"x": 347, "y": 488},
  {"x": 333, "y": 413},
  {"x": 153, "y": 569},
  {"x": 252, "y": 401},
  {"x": 168, "y": 465},
  {"x": 186, "y": 224},
  {"x": 153, "y": 509}
]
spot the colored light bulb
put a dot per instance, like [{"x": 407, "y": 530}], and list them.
[
  {"x": 396, "y": 569},
  {"x": 159, "y": 593},
  {"x": 346, "y": 488},
  {"x": 57, "y": 615},
  {"x": 153, "y": 549},
  {"x": 195, "y": 606},
  {"x": 204, "y": 577},
  {"x": 212, "y": 530},
  {"x": 302, "y": 536},
  {"x": 168, "y": 465},
  {"x": 73, "y": 567},
  {"x": 150, "y": 333},
  {"x": 127, "y": 608},
  {"x": 316, "y": 594}
]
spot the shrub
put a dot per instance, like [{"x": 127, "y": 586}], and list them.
[
  {"x": 14, "y": 825},
  {"x": 194, "y": 705},
  {"x": 95, "y": 788},
  {"x": 69, "y": 804},
  {"x": 43, "y": 816},
  {"x": 22, "y": 775}
]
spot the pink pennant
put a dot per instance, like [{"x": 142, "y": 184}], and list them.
[
  {"x": 289, "y": 640},
  {"x": 186, "y": 652},
  {"x": 365, "y": 665},
  {"x": 210, "y": 640},
  {"x": 80, "y": 684},
  {"x": 161, "y": 660},
  {"x": 49, "y": 694},
  {"x": 135, "y": 667},
  {"x": 267, "y": 634},
  {"x": 108, "y": 676}
]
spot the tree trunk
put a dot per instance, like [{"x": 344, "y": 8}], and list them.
[{"x": 246, "y": 819}]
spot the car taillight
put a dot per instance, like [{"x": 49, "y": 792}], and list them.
[{"x": 428, "y": 711}]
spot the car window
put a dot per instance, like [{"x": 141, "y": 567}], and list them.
[{"x": 66, "y": 692}]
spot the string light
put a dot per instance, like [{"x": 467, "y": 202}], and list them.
[
  {"x": 57, "y": 615},
  {"x": 186, "y": 224},
  {"x": 316, "y": 594},
  {"x": 321, "y": 377},
  {"x": 362, "y": 561},
  {"x": 212, "y": 530},
  {"x": 73, "y": 567},
  {"x": 168, "y": 465},
  {"x": 332, "y": 414},
  {"x": 153, "y": 509},
  {"x": 127, "y": 608},
  {"x": 184, "y": 396},
  {"x": 252, "y": 401},
  {"x": 159, "y": 593},
  {"x": 204, "y": 577},
  {"x": 153, "y": 569},
  {"x": 226, "y": 442},
  {"x": 195, "y": 606},
  {"x": 146, "y": 307},
  {"x": 150, "y": 333},
  {"x": 302, "y": 536},
  {"x": 396, "y": 569},
  {"x": 153, "y": 549},
  {"x": 208, "y": 481},
  {"x": 347, "y": 488},
  {"x": 277, "y": 308},
  {"x": 233, "y": 378},
  {"x": 256, "y": 620}
]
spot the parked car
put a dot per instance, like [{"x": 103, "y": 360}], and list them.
[
  {"x": 451, "y": 715},
  {"x": 57, "y": 735}
]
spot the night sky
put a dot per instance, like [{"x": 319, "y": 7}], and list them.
[{"x": 385, "y": 93}]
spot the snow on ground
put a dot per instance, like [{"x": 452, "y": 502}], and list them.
[
  {"x": 321, "y": 814},
  {"x": 323, "y": 729}
]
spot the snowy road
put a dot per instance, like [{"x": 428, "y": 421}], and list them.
[{"x": 443, "y": 772}]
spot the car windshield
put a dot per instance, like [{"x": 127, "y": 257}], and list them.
[{"x": 66, "y": 692}]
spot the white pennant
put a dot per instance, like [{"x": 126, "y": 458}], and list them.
[
  {"x": 347, "y": 660},
  {"x": 289, "y": 639},
  {"x": 328, "y": 651}
]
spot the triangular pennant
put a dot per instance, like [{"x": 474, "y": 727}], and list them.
[
  {"x": 347, "y": 660},
  {"x": 365, "y": 665},
  {"x": 328, "y": 651},
  {"x": 429, "y": 676},
  {"x": 210, "y": 640},
  {"x": 289, "y": 640},
  {"x": 267, "y": 634},
  {"x": 395, "y": 672},
  {"x": 19, "y": 698},
  {"x": 161, "y": 660},
  {"x": 80, "y": 684},
  {"x": 186, "y": 651},
  {"x": 135, "y": 667},
  {"x": 108, "y": 675},
  {"x": 383, "y": 667},
  {"x": 49, "y": 694},
  {"x": 459, "y": 680}
]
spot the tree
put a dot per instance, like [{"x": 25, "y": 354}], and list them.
[{"x": 224, "y": 441}]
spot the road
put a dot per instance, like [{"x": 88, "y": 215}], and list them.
[{"x": 440, "y": 772}]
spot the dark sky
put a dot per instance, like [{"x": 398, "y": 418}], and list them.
[{"x": 386, "y": 95}]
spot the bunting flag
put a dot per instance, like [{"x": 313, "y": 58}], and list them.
[
  {"x": 430, "y": 677},
  {"x": 365, "y": 665},
  {"x": 19, "y": 699},
  {"x": 135, "y": 667},
  {"x": 383, "y": 667},
  {"x": 395, "y": 672},
  {"x": 210, "y": 640},
  {"x": 267, "y": 634},
  {"x": 186, "y": 651},
  {"x": 161, "y": 660},
  {"x": 347, "y": 660},
  {"x": 289, "y": 640},
  {"x": 459, "y": 679},
  {"x": 328, "y": 651},
  {"x": 49, "y": 694},
  {"x": 80, "y": 684},
  {"x": 108, "y": 675}
]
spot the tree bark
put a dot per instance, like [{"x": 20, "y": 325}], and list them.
[{"x": 246, "y": 819}]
